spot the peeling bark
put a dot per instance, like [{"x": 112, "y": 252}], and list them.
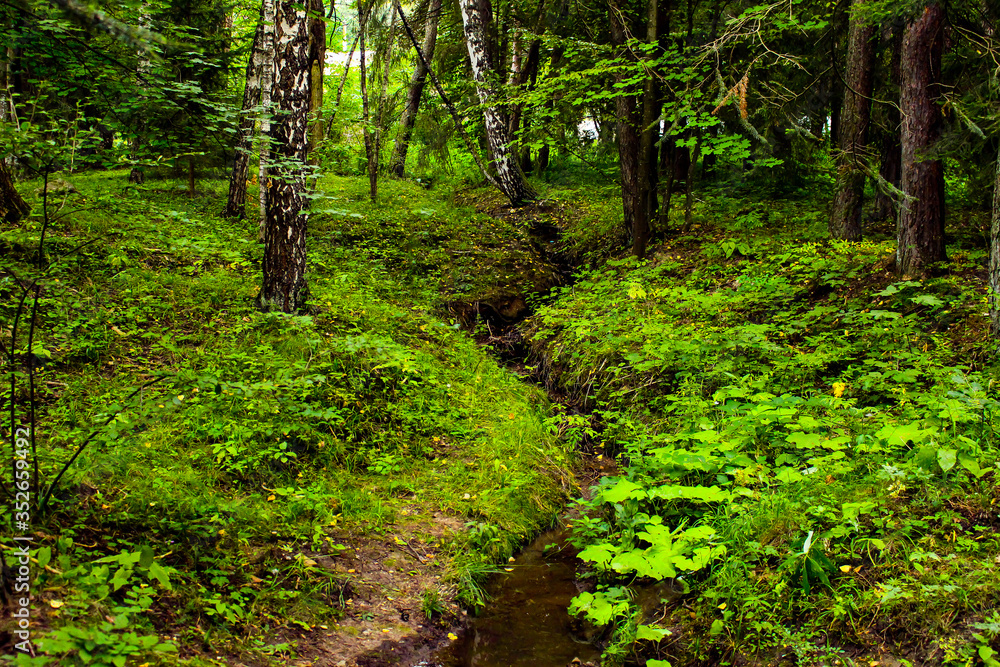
[
  {"x": 284, "y": 281},
  {"x": 236, "y": 202},
  {"x": 476, "y": 19},
  {"x": 266, "y": 87},
  {"x": 845, "y": 216},
  {"x": 920, "y": 229}
]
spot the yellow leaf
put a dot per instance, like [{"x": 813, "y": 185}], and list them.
[
  {"x": 838, "y": 389},
  {"x": 845, "y": 568},
  {"x": 270, "y": 498},
  {"x": 55, "y": 604},
  {"x": 722, "y": 606},
  {"x": 452, "y": 636}
]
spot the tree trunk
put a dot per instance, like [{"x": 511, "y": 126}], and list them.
[
  {"x": 343, "y": 80},
  {"x": 284, "y": 281},
  {"x": 12, "y": 206},
  {"x": 317, "y": 59},
  {"x": 476, "y": 17},
  {"x": 920, "y": 229},
  {"x": 629, "y": 117},
  {"x": 236, "y": 203},
  {"x": 994, "y": 278},
  {"x": 365, "y": 118},
  {"x": 397, "y": 165},
  {"x": 267, "y": 74},
  {"x": 890, "y": 162},
  {"x": 380, "y": 123},
  {"x": 652, "y": 105},
  {"x": 137, "y": 175},
  {"x": 845, "y": 217}
]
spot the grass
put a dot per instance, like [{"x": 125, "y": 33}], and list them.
[{"x": 269, "y": 437}]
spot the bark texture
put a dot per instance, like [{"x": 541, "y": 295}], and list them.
[
  {"x": 890, "y": 162},
  {"x": 845, "y": 216},
  {"x": 476, "y": 19},
  {"x": 284, "y": 281},
  {"x": 137, "y": 175},
  {"x": 397, "y": 164},
  {"x": 317, "y": 60},
  {"x": 266, "y": 88},
  {"x": 920, "y": 229},
  {"x": 236, "y": 202},
  {"x": 12, "y": 206},
  {"x": 629, "y": 117}
]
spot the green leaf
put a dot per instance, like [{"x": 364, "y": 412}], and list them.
[
  {"x": 44, "y": 556},
  {"x": 717, "y": 627},
  {"x": 658, "y": 663},
  {"x": 651, "y": 633},
  {"x": 146, "y": 556},
  {"x": 946, "y": 458},
  {"x": 621, "y": 490},
  {"x": 157, "y": 572}
]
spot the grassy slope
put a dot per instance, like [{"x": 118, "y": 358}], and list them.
[
  {"x": 271, "y": 439},
  {"x": 825, "y": 424}
]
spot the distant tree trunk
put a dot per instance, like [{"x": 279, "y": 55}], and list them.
[
  {"x": 523, "y": 76},
  {"x": 397, "y": 165},
  {"x": 845, "y": 216},
  {"x": 629, "y": 117},
  {"x": 266, "y": 88},
  {"x": 476, "y": 18},
  {"x": 12, "y": 206},
  {"x": 380, "y": 123},
  {"x": 343, "y": 80},
  {"x": 994, "y": 279},
  {"x": 137, "y": 175},
  {"x": 317, "y": 59},
  {"x": 652, "y": 105},
  {"x": 236, "y": 203},
  {"x": 284, "y": 281},
  {"x": 365, "y": 120},
  {"x": 890, "y": 161},
  {"x": 920, "y": 229}
]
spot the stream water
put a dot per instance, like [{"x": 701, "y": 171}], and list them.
[{"x": 526, "y": 623}]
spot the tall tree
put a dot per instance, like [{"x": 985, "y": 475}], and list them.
[
  {"x": 284, "y": 267},
  {"x": 629, "y": 118},
  {"x": 890, "y": 160},
  {"x": 477, "y": 20},
  {"x": 236, "y": 202},
  {"x": 855, "y": 117},
  {"x": 137, "y": 175},
  {"x": 317, "y": 60},
  {"x": 920, "y": 230},
  {"x": 418, "y": 81},
  {"x": 266, "y": 89}
]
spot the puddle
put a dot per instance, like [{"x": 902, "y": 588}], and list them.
[{"x": 526, "y": 624}]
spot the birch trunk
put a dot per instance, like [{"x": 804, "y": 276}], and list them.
[
  {"x": 366, "y": 130},
  {"x": 397, "y": 164},
  {"x": 845, "y": 216},
  {"x": 236, "y": 203},
  {"x": 284, "y": 281},
  {"x": 266, "y": 87},
  {"x": 920, "y": 229},
  {"x": 476, "y": 18}
]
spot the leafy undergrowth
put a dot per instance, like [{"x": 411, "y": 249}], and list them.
[
  {"x": 195, "y": 524},
  {"x": 807, "y": 441}
]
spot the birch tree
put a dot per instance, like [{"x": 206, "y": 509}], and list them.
[
  {"x": 284, "y": 281},
  {"x": 476, "y": 19},
  {"x": 266, "y": 85}
]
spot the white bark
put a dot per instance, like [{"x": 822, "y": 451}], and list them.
[
  {"x": 994, "y": 277},
  {"x": 476, "y": 16},
  {"x": 266, "y": 83}
]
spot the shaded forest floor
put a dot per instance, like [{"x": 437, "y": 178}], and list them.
[{"x": 339, "y": 485}]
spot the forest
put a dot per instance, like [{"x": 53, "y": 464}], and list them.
[{"x": 500, "y": 333}]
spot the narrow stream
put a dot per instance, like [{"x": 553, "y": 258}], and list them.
[{"x": 526, "y": 624}]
